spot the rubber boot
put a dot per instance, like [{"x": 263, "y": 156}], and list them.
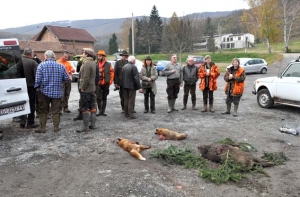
[
  {"x": 185, "y": 98},
  {"x": 43, "y": 121},
  {"x": 93, "y": 121},
  {"x": 169, "y": 105},
  {"x": 228, "y": 109},
  {"x": 173, "y": 105},
  {"x": 194, "y": 103},
  {"x": 236, "y": 106},
  {"x": 78, "y": 117},
  {"x": 56, "y": 121},
  {"x": 211, "y": 108},
  {"x": 99, "y": 108},
  {"x": 204, "y": 108},
  {"x": 86, "y": 120},
  {"x": 103, "y": 108}
]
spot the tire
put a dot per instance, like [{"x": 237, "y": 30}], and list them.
[
  {"x": 263, "y": 71},
  {"x": 264, "y": 99},
  {"x": 160, "y": 73}
]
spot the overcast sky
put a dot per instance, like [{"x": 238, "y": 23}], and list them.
[{"x": 17, "y": 13}]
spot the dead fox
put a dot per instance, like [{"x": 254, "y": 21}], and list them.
[{"x": 133, "y": 148}]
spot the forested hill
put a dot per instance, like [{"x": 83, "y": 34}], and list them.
[{"x": 95, "y": 27}]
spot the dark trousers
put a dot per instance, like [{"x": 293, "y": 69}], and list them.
[
  {"x": 44, "y": 104},
  {"x": 88, "y": 101},
  {"x": 152, "y": 99},
  {"x": 173, "y": 87},
  {"x": 79, "y": 102},
  {"x": 102, "y": 91},
  {"x": 121, "y": 94},
  {"x": 32, "y": 102},
  {"x": 129, "y": 100},
  {"x": 233, "y": 99},
  {"x": 66, "y": 94},
  {"x": 207, "y": 94},
  {"x": 189, "y": 89}
]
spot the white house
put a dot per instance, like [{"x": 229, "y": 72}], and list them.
[{"x": 228, "y": 41}]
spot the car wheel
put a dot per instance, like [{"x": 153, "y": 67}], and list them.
[
  {"x": 264, "y": 99},
  {"x": 263, "y": 71},
  {"x": 160, "y": 73}
]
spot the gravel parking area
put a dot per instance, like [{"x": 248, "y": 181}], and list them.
[{"x": 92, "y": 164}]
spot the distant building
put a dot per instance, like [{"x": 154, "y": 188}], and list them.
[
  {"x": 228, "y": 41},
  {"x": 59, "y": 39}
]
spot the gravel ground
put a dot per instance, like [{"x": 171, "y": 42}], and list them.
[{"x": 92, "y": 164}]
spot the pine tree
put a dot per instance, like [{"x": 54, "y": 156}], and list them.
[
  {"x": 210, "y": 31},
  {"x": 113, "y": 45}
]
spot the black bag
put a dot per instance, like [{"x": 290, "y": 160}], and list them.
[{"x": 146, "y": 84}]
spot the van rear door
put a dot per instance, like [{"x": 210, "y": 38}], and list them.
[{"x": 14, "y": 100}]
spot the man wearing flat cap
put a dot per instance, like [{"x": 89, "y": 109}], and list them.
[
  {"x": 118, "y": 75},
  {"x": 87, "y": 89},
  {"x": 106, "y": 78}
]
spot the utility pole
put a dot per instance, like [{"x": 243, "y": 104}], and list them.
[{"x": 132, "y": 28}]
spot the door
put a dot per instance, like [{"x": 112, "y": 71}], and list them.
[
  {"x": 288, "y": 87},
  {"x": 14, "y": 99}
]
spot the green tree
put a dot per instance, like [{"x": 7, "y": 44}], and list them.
[
  {"x": 156, "y": 30},
  {"x": 209, "y": 31},
  {"x": 113, "y": 45}
]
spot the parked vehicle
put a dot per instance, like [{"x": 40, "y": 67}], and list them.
[
  {"x": 198, "y": 60},
  {"x": 75, "y": 75},
  {"x": 14, "y": 100},
  {"x": 113, "y": 62},
  {"x": 253, "y": 65},
  {"x": 160, "y": 66},
  {"x": 283, "y": 89}
]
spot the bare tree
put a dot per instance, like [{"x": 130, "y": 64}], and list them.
[
  {"x": 179, "y": 35},
  {"x": 290, "y": 9}
]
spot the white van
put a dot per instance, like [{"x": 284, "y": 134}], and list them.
[{"x": 14, "y": 100}]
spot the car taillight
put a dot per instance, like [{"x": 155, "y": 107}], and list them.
[{"x": 10, "y": 42}]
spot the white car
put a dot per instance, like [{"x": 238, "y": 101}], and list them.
[
  {"x": 283, "y": 89},
  {"x": 75, "y": 75},
  {"x": 14, "y": 100},
  {"x": 253, "y": 65}
]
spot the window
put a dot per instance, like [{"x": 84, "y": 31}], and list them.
[
  {"x": 232, "y": 45},
  {"x": 293, "y": 71},
  {"x": 10, "y": 62},
  {"x": 239, "y": 38}
]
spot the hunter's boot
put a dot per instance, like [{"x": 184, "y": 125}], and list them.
[
  {"x": 99, "y": 108},
  {"x": 146, "y": 103},
  {"x": 173, "y": 105},
  {"x": 93, "y": 121},
  {"x": 185, "y": 98},
  {"x": 43, "y": 121},
  {"x": 103, "y": 108},
  {"x": 204, "y": 107},
  {"x": 152, "y": 105},
  {"x": 194, "y": 103},
  {"x": 169, "y": 105},
  {"x": 236, "y": 106},
  {"x": 56, "y": 121},
  {"x": 86, "y": 120},
  {"x": 211, "y": 108},
  {"x": 228, "y": 109},
  {"x": 78, "y": 117}
]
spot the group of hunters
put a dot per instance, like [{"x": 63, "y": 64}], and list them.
[{"x": 49, "y": 85}]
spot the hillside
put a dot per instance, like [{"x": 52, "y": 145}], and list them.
[{"x": 96, "y": 27}]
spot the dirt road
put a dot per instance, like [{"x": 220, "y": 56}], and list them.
[{"x": 68, "y": 164}]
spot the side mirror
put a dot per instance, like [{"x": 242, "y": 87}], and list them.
[{"x": 280, "y": 75}]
